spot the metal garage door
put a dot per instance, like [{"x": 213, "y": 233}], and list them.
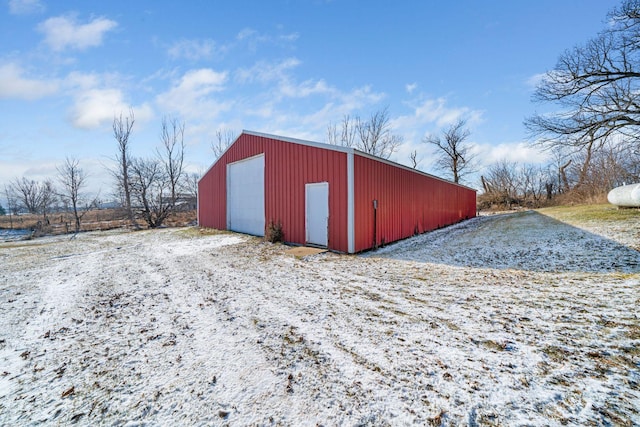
[{"x": 245, "y": 196}]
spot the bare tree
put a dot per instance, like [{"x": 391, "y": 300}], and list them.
[
  {"x": 27, "y": 193},
  {"x": 48, "y": 197},
  {"x": 373, "y": 136},
  {"x": 190, "y": 184},
  {"x": 33, "y": 196},
  {"x": 172, "y": 155},
  {"x": 72, "y": 180},
  {"x": 509, "y": 183},
  {"x": 224, "y": 138},
  {"x": 593, "y": 173},
  {"x": 12, "y": 203},
  {"x": 595, "y": 87},
  {"x": 454, "y": 152},
  {"x": 533, "y": 180},
  {"x": 156, "y": 183},
  {"x": 122, "y": 127},
  {"x": 346, "y": 135},
  {"x": 501, "y": 184},
  {"x": 151, "y": 190}
]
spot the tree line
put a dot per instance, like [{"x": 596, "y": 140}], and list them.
[
  {"x": 65, "y": 192},
  {"x": 149, "y": 189}
]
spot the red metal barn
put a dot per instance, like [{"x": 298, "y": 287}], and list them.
[{"x": 324, "y": 195}]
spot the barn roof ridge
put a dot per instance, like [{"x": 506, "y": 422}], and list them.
[
  {"x": 302, "y": 141},
  {"x": 348, "y": 150}
]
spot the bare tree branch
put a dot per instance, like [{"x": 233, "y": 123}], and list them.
[
  {"x": 595, "y": 87},
  {"x": 454, "y": 152},
  {"x": 150, "y": 189},
  {"x": 172, "y": 155},
  {"x": 413, "y": 157},
  {"x": 122, "y": 127},
  {"x": 28, "y": 193},
  {"x": 224, "y": 138},
  {"x": 73, "y": 180},
  {"x": 373, "y": 136}
]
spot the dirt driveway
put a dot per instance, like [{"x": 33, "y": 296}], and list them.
[{"x": 505, "y": 320}]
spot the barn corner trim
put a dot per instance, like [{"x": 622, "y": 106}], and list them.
[{"x": 351, "y": 238}]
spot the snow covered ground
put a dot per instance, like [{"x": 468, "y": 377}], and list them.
[{"x": 504, "y": 320}]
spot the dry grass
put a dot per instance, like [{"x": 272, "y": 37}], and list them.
[
  {"x": 200, "y": 231},
  {"x": 621, "y": 225},
  {"x": 102, "y": 219},
  {"x": 590, "y": 213}
]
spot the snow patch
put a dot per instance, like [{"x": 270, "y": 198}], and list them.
[{"x": 469, "y": 325}]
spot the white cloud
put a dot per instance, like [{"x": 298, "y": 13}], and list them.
[
  {"x": 304, "y": 89},
  {"x": 246, "y": 33},
  {"x": 190, "y": 96},
  {"x": 77, "y": 80},
  {"x": 64, "y": 32},
  {"x": 286, "y": 86},
  {"x": 25, "y": 7},
  {"x": 253, "y": 38},
  {"x": 204, "y": 79},
  {"x": 313, "y": 124},
  {"x": 435, "y": 112},
  {"x": 535, "y": 80},
  {"x": 13, "y": 84},
  {"x": 264, "y": 72},
  {"x": 194, "y": 50},
  {"x": 42, "y": 167},
  {"x": 16, "y": 168},
  {"x": 96, "y": 107},
  {"x": 96, "y": 104},
  {"x": 357, "y": 100},
  {"x": 519, "y": 152},
  {"x": 250, "y": 39},
  {"x": 411, "y": 87}
]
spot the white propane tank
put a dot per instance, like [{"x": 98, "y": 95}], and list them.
[{"x": 627, "y": 196}]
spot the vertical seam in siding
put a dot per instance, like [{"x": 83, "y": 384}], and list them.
[{"x": 350, "y": 204}]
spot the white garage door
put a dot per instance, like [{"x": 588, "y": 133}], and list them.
[{"x": 245, "y": 196}]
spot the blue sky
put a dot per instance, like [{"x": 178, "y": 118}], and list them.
[{"x": 285, "y": 67}]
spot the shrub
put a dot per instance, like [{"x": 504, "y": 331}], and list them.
[{"x": 274, "y": 232}]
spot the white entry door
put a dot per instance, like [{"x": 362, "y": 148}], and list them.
[
  {"x": 317, "y": 213},
  {"x": 245, "y": 196}
]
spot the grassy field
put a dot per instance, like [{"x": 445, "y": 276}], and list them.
[
  {"x": 590, "y": 213},
  {"x": 96, "y": 220},
  {"x": 620, "y": 225}
]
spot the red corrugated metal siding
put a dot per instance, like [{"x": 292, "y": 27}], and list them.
[
  {"x": 288, "y": 167},
  {"x": 212, "y": 188},
  {"x": 408, "y": 202},
  {"x": 212, "y": 198}
]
